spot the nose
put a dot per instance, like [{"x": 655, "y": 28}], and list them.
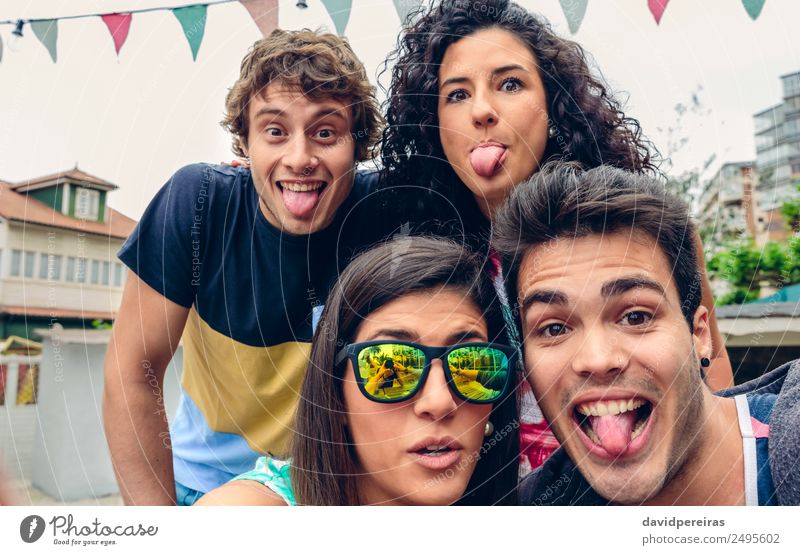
[
  {"x": 483, "y": 112},
  {"x": 298, "y": 156},
  {"x": 435, "y": 401},
  {"x": 600, "y": 355}
]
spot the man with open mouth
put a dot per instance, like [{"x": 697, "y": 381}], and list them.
[
  {"x": 615, "y": 344},
  {"x": 236, "y": 263}
]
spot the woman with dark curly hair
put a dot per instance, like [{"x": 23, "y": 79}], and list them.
[{"x": 483, "y": 93}]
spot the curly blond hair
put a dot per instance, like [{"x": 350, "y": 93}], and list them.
[{"x": 320, "y": 65}]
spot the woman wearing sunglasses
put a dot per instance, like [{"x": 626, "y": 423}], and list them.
[{"x": 409, "y": 395}]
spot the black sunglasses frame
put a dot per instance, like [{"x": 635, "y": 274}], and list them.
[{"x": 352, "y": 350}]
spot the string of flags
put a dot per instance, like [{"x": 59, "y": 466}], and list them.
[{"x": 192, "y": 19}]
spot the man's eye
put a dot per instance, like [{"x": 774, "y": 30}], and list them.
[
  {"x": 458, "y": 95},
  {"x": 511, "y": 84},
  {"x": 553, "y": 330},
  {"x": 325, "y": 133},
  {"x": 274, "y": 131},
  {"x": 637, "y": 318}
]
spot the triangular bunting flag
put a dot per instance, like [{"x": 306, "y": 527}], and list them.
[
  {"x": 405, "y": 7},
  {"x": 753, "y": 7},
  {"x": 118, "y": 25},
  {"x": 657, "y": 8},
  {"x": 264, "y": 13},
  {"x": 193, "y": 21},
  {"x": 339, "y": 11},
  {"x": 46, "y": 30},
  {"x": 1, "y": 49},
  {"x": 574, "y": 10}
]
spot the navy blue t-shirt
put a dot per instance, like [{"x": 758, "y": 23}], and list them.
[{"x": 204, "y": 244}]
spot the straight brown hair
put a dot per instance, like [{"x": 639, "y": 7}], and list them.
[{"x": 324, "y": 468}]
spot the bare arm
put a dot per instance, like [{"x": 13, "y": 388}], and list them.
[
  {"x": 242, "y": 492},
  {"x": 145, "y": 336},
  {"x": 720, "y": 374}
]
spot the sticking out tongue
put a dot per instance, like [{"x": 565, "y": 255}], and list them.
[
  {"x": 614, "y": 431},
  {"x": 301, "y": 205},
  {"x": 486, "y": 159}
]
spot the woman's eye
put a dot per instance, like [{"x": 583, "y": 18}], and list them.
[
  {"x": 458, "y": 95},
  {"x": 512, "y": 84},
  {"x": 553, "y": 330},
  {"x": 637, "y": 318}
]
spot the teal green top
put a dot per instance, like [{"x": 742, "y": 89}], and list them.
[{"x": 273, "y": 473}]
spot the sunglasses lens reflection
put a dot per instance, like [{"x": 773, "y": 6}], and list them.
[
  {"x": 390, "y": 372},
  {"x": 479, "y": 373}
]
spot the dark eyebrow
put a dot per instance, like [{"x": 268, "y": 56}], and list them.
[
  {"x": 545, "y": 296},
  {"x": 267, "y": 111},
  {"x": 325, "y": 112},
  {"x": 465, "y": 337},
  {"x": 623, "y": 285},
  {"x": 495, "y": 73},
  {"x": 403, "y": 335}
]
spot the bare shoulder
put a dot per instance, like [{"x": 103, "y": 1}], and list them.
[{"x": 242, "y": 492}]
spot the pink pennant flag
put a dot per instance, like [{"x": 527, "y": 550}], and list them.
[
  {"x": 657, "y": 8},
  {"x": 118, "y": 25},
  {"x": 264, "y": 13}
]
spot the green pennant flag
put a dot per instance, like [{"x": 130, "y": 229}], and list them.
[
  {"x": 339, "y": 11},
  {"x": 405, "y": 7},
  {"x": 753, "y": 7},
  {"x": 574, "y": 10},
  {"x": 46, "y": 30},
  {"x": 193, "y": 21}
]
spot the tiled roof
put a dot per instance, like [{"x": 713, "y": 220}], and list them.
[
  {"x": 24, "y": 208},
  {"x": 70, "y": 175}
]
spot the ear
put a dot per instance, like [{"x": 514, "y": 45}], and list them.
[{"x": 701, "y": 336}]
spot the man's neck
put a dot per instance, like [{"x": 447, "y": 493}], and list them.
[{"x": 713, "y": 474}]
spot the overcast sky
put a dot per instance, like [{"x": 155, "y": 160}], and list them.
[{"x": 135, "y": 119}]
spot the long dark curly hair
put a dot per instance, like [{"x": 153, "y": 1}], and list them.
[{"x": 587, "y": 120}]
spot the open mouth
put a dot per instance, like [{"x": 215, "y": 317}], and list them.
[
  {"x": 436, "y": 455},
  {"x": 434, "y": 451},
  {"x": 614, "y": 428},
  {"x": 301, "y": 197}
]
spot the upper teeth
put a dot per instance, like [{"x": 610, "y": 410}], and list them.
[
  {"x": 436, "y": 447},
  {"x": 301, "y": 187},
  {"x": 605, "y": 408}
]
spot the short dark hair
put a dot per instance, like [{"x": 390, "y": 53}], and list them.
[
  {"x": 565, "y": 201},
  {"x": 324, "y": 470}
]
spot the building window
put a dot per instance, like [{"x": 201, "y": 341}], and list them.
[
  {"x": 70, "y": 268},
  {"x": 16, "y": 263},
  {"x": 106, "y": 272},
  {"x": 117, "y": 275},
  {"x": 27, "y": 384},
  {"x": 50, "y": 267},
  {"x": 87, "y": 203},
  {"x": 95, "y": 272},
  {"x": 81, "y": 275},
  {"x": 30, "y": 260}
]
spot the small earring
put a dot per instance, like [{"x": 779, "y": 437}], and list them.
[
  {"x": 552, "y": 132},
  {"x": 704, "y": 362},
  {"x": 489, "y": 429}
]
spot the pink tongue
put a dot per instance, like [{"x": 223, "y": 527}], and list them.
[
  {"x": 486, "y": 159},
  {"x": 614, "y": 431},
  {"x": 300, "y": 204}
]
